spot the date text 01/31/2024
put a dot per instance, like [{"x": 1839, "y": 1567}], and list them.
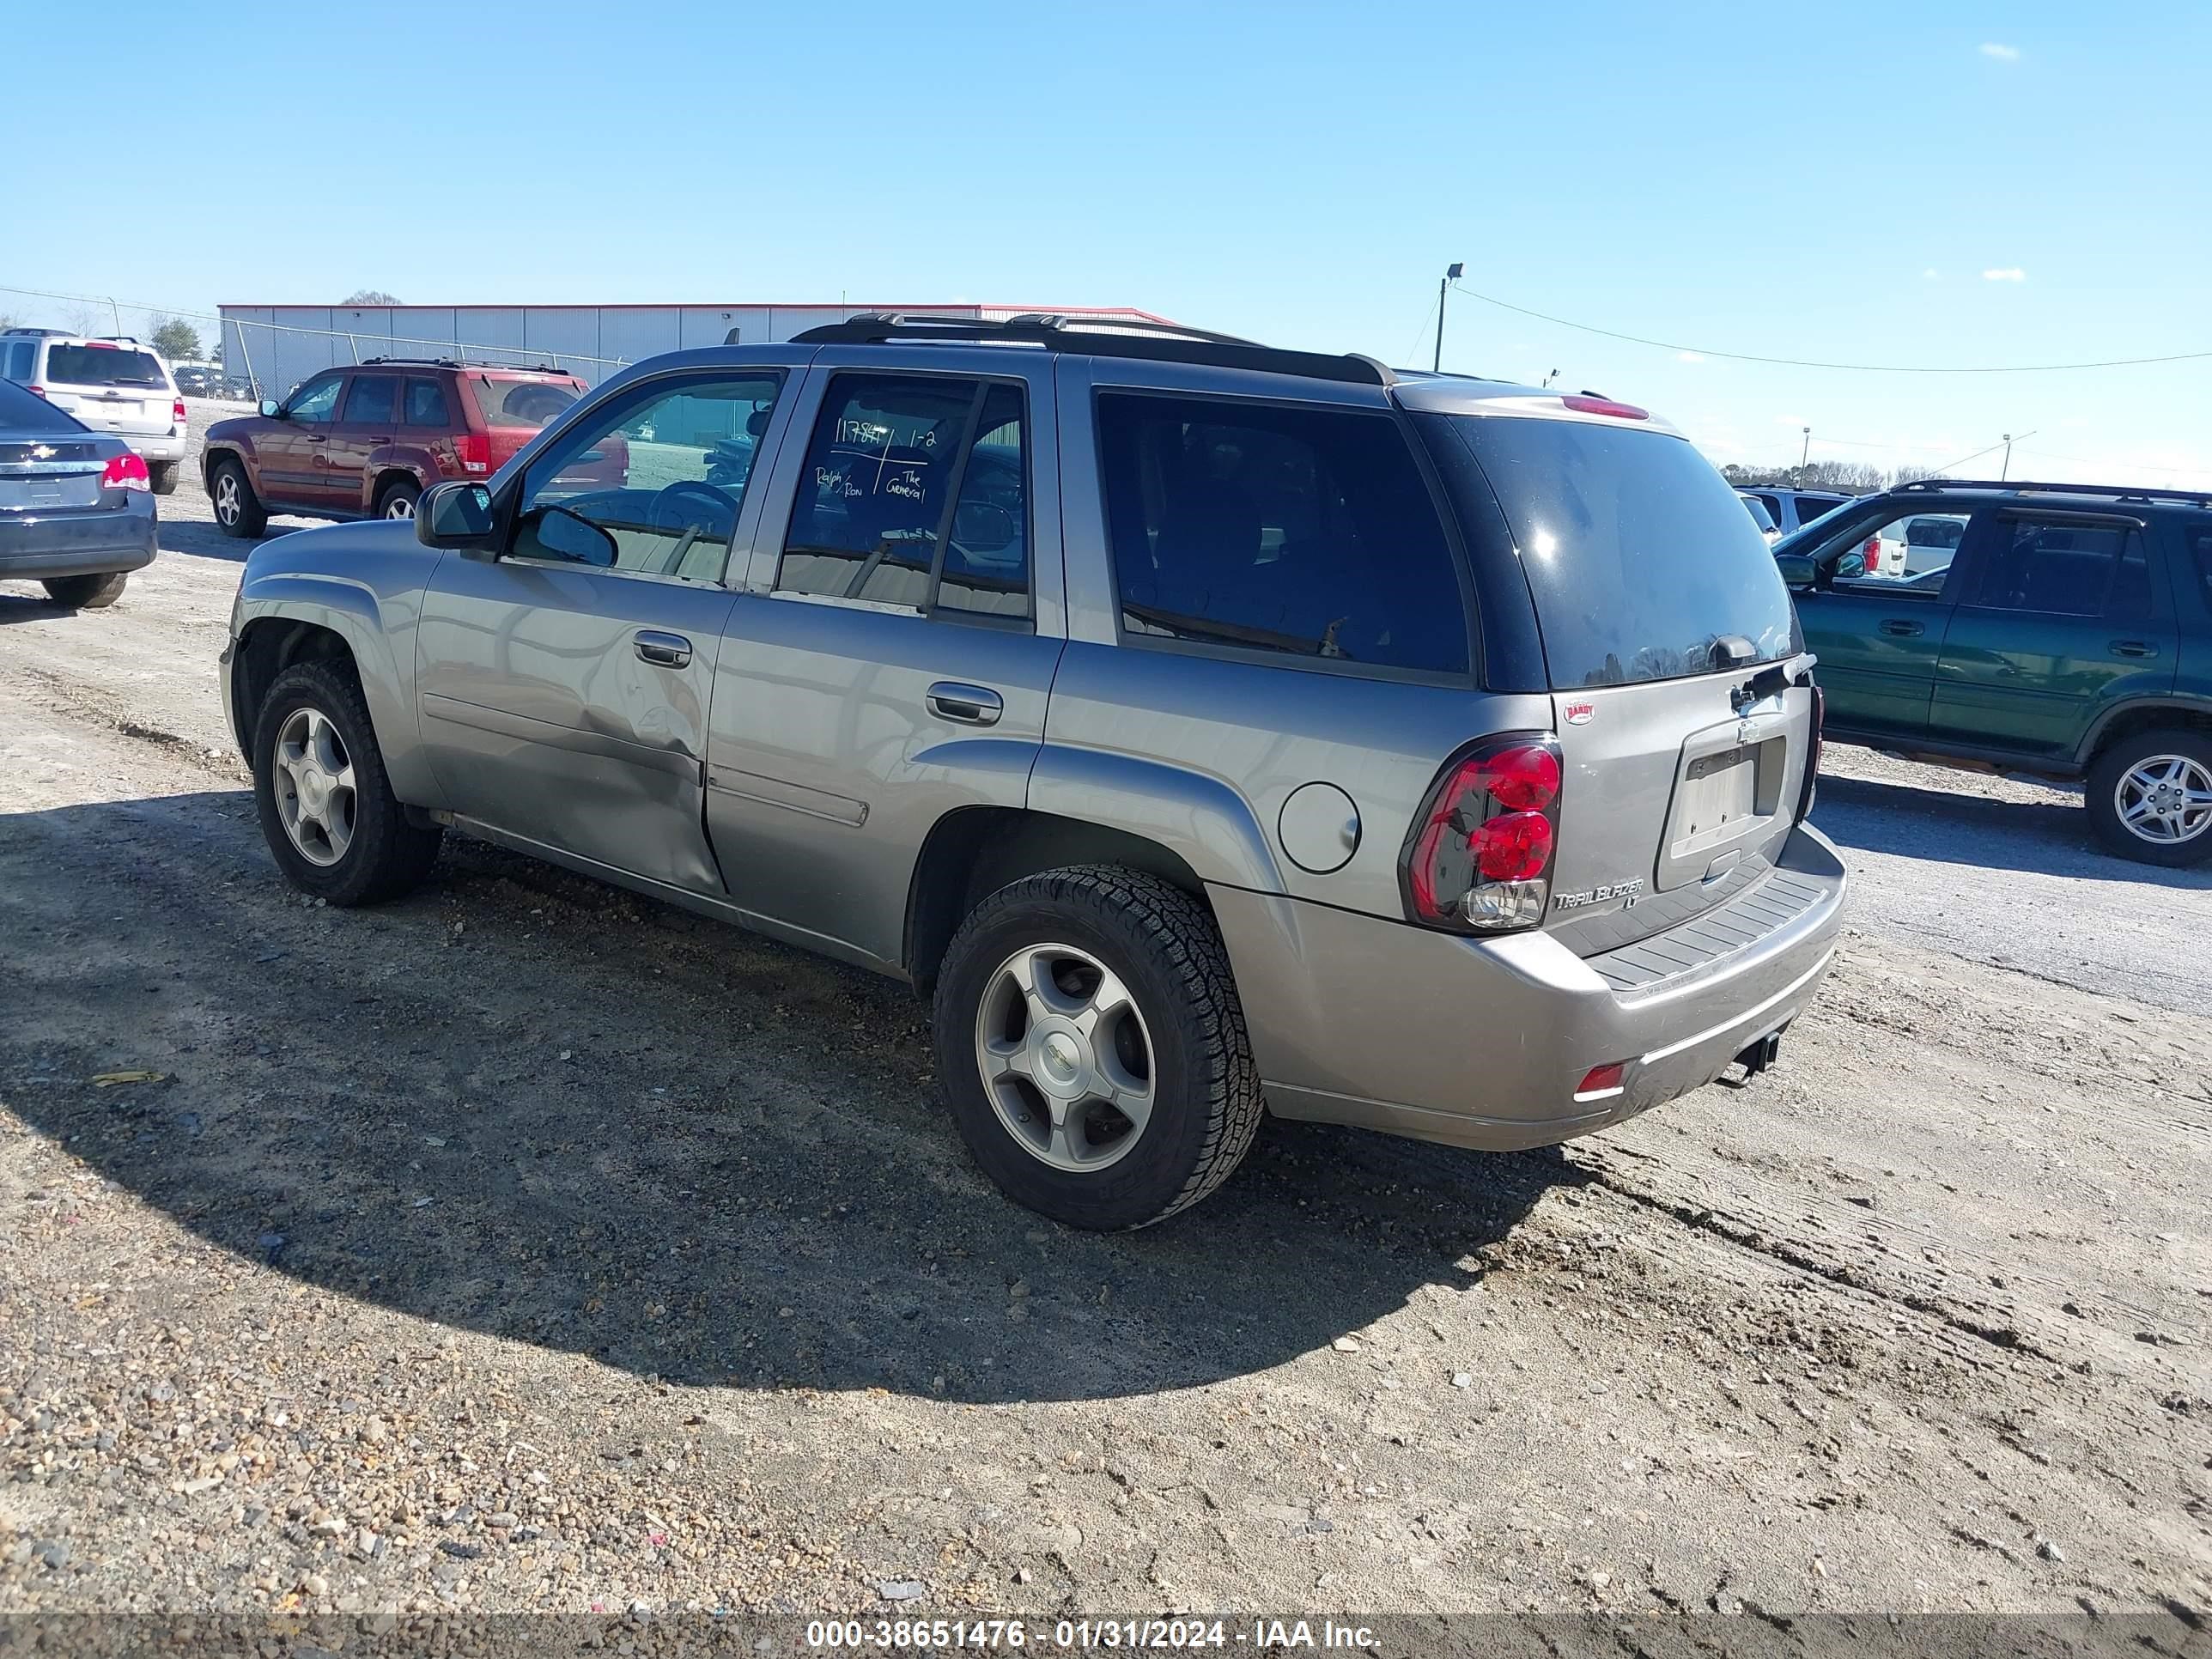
[{"x": 950, "y": 1635}]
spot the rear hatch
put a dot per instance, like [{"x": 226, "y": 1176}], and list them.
[
  {"x": 110, "y": 388},
  {"x": 47, "y": 463},
  {"x": 1673, "y": 658},
  {"x": 516, "y": 407}
]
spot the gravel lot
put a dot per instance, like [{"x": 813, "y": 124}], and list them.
[{"x": 527, "y": 1245}]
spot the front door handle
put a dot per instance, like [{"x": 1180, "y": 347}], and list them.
[
  {"x": 968, "y": 705},
  {"x": 1904, "y": 630},
  {"x": 2134, "y": 648},
  {"x": 662, "y": 650}
]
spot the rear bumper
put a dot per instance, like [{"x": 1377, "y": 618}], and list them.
[
  {"x": 150, "y": 447},
  {"x": 84, "y": 543},
  {"x": 1482, "y": 1043}
]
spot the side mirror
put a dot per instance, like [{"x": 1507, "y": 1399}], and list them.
[
  {"x": 457, "y": 514},
  {"x": 1797, "y": 569},
  {"x": 271, "y": 409},
  {"x": 1852, "y": 566},
  {"x": 558, "y": 533},
  {"x": 983, "y": 527}
]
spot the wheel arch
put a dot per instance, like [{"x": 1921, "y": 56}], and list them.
[
  {"x": 973, "y": 851},
  {"x": 2129, "y": 719},
  {"x": 287, "y": 619},
  {"x": 389, "y": 473}
]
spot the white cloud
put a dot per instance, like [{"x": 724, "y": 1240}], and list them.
[
  {"x": 2003, "y": 54},
  {"x": 1689, "y": 356},
  {"x": 2005, "y": 274},
  {"x": 1931, "y": 275}
]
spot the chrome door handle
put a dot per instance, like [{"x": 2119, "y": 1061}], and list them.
[
  {"x": 969, "y": 705},
  {"x": 1902, "y": 630},
  {"x": 662, "y": 650},
  {"x": 2134, "y": 648}
]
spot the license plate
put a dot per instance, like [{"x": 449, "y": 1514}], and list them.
[
  {"x": 1719, "y": 791},
  {"x": 21, "y": 494}
]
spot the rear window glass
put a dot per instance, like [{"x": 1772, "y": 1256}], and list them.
[
  {"x": 426, "y": 405},
  {"x": 1759, "y": 515},
  {"x": 1640, "y": 558},
  {"x": 1810, "y": 508},
  {"x": 373, "y": 398},
  {"x": 77, "y": 365},
  {"x": 1301, "y": 531},
  {"x": 520, "y": 402},
  {"x": 23, "y": 411}
]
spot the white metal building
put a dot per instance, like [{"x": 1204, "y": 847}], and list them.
[{"x": 277, "y": 346}]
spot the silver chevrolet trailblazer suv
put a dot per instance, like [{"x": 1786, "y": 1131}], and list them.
[{"x": 1204, "y": 727}]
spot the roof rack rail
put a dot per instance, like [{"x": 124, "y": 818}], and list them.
[
  {"x": 2024, "y": 486},
  {"x": 454, "y": 362},
  {"x": 1102, "y": 336}
]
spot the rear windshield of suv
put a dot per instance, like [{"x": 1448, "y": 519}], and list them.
[
  {"x": 520, "y": 402},
  {"x": 1639, "y": 556},
  {"x": 77, "y": 365}
]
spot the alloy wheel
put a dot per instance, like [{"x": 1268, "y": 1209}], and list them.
[
  {"x": 1065, "y": 1057},
  {"x": 227, "y": 504},
  {"x": 2165, "y": 799},
  {"x": 314, "y": 786}
]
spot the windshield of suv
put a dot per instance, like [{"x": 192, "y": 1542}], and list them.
[
  {"x": 1640, "y": 558},
  {"x": 520, "y": 402},
  {"x": 86, "y": 364}
]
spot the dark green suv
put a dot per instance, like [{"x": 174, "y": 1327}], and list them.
[{"x": 2061, "y": 629}]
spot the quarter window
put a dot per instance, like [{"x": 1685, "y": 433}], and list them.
[
  {"x": 650, "y": 484},
  {"x": 426, "y": 405},
  {"x": 2059, "y": 569},
  {"x": 915, "y": 495},
  {"x": 1304, "y": 532},
  {"x": 371, "y": 400}
]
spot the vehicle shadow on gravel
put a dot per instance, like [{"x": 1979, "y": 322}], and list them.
[
  {"x": 528, "y": 1105},
  {"x": 1957, "y": 828}
]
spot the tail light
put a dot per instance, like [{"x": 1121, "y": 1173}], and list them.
[
  {"x": 1589, "y": 403},
  {"x": 126, "y": 471},
  {"x": 1479, "y": 856},
  {"x": 473, "y": 451},
  {"x": 1872, "y": 553},
  {"x": 36, "y": 390},
  {"x": 176, "y": 412}
]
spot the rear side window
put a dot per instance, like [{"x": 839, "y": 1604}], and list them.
[
  {"x": 1642, "y": 562},
  {"x": 426, "y": 405},
  {"x": 85, "y": 365},
  {"x": 1810, "y": 508},
  {"x": 24, "y": 412},
  {"x": 21, "y": 355},
  {"x": 2057, "y": 569},
  {"x": 916, "y": 494},
  {"x": 372, "y": 399},
  {"x": 1306, "y": 532},
  {"x": 1759, "y": 515},
  {"x": 529, "y": 404}
]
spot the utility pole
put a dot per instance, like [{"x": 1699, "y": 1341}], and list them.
[
  {"x": 1805, "y": 449},
  {"x": 1450, "y": 276},
  {"x": 2004, "y": 471}
]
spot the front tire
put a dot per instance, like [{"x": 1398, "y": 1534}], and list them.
[
  {"x": 1093, "y": 1048},
  {"x": 2150, "y": 798},
  {"x": 164, "y": 476},
  {"x": 238, "y": 510},
  {"x": 86, "y": 593},
  {"x": 327, "y": 809}
]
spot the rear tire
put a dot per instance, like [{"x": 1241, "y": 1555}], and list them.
[
  {"x": 1170, "y": 1044},
  {"x": 397, "y": 498},
  {"x": 164, "y": 476},
  {"x": 238, "y": 510},
  {"x": 2150, "y": 798},
  {"x": 327, "y": 809},
  {"x": 86, "y": 593}
]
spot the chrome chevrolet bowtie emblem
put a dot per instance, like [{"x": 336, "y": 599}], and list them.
[{"x": 42, "y": 451}]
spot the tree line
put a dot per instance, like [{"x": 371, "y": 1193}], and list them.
[{"x": 1849, "y": 477}]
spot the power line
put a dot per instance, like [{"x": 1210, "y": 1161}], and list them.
[{"x": 1856, "y": 369}]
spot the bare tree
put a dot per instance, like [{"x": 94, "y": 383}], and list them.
[{"x": 369, "y": 296}]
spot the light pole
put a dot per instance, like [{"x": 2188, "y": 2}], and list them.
[
  {"x": 1805, "y": 449},
  {"x": 2004, "y": 471},
  {"x": 1450, "y": 276}
]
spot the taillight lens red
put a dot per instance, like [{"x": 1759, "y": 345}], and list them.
[
  {"x": 1584, "y": 404},
  {"x": 36, "y": 390},
  {"x": 1479, "y": 856},
  {"x": 176, "y": 412},
  {"x": 126, "y": 471},
  {"x": 473, "y": 451}
]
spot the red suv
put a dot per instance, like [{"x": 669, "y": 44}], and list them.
[{"x": 366, "y": 440}]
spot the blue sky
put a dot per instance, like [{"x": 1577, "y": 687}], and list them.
[{"x": 1828, "y": 183}]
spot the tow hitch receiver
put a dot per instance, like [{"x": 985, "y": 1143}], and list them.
[{"x": 1761, "y": 1054}]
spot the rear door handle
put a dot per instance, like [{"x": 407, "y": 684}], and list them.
[
  {"x": 968, "y": 705},
  {"x": 1904, "y": 629},
  {"x": 662, "y": 650},
  {"x": 2134, "y": 648}
]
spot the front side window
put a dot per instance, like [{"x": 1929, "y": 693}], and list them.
[
  {"x": 426, "y": 405},
  {"x": 316, "y": 400},
  {"x": 2059, "y": 569},
  {"x": 651, "y": 482},
  {"x": 916, "y": 494},
  {"x": 373, "y": 400},
  {"x": 1307, "y": 531}
]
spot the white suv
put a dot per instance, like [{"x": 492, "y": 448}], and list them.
[{"x": 112, "y": 385}]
